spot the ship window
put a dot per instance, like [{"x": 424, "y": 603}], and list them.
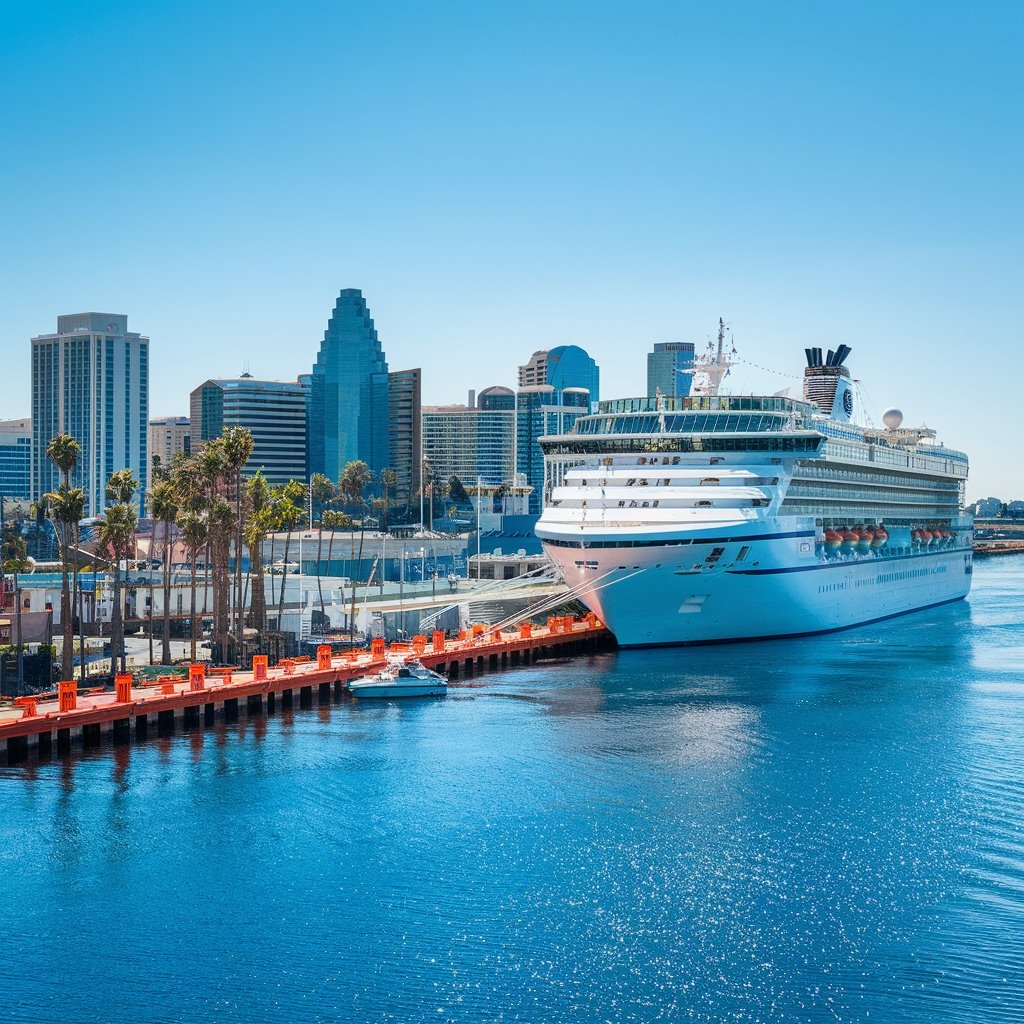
[
  {"x": 645, "y": 504},
  {"x": 744, "y": 551},
  {"x": 666, "y": 481},
  {"x": 703, "y": 504},
  {"x": 643, "y": 460},
  {"x": 716, "y": 554},
  {"x": 622, "y": 504},
  {"x": 675, "y": 460}
]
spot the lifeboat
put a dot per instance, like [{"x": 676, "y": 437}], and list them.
[
  {"x": 850, "y": 539},
  {"x": 881, "y": 537},
  {"x": 832, "y": 541},
  {"x": 866, "y": 536},
  {"x": 917, "y": 538},
  {"x": 926, "y": 537}
]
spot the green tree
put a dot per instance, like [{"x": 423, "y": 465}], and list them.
[
  {"x": 64, "y": 451},
  {"x": 457, "y": 492},
  {"x": 238, "y": 446}
]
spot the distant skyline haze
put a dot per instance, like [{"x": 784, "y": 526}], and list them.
[{"x": 502, "y": 179}]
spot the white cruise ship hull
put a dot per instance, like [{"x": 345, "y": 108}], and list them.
[{"x": 651, "y": 596}]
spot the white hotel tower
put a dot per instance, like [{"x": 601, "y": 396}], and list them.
[{"x": 91, "y": 380}]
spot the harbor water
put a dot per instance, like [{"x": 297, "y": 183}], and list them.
[{"x": 826, "y": 829}]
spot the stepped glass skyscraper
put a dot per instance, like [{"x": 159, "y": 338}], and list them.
[
  {"x": 91, "y": 380},
  {"x": 348, "y": 400}
]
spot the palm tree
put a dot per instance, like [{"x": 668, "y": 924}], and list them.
[
  {"x": 117, "y": 536},
  {"x": 388, "y": 483},
  {"x": 66, "y": 507},
  {"x": 354, "y": 481},
  {"x": 63, "y": 451},
  {"x": 260, "y": 513},
  {"x": 321, "y": 491},
  {"x": 221, "y": 522},
  {"x": 289, "y": 513},
  {"x": 194, "y": 530},
  {"x": 163, "y": 503},
  {"x": 238, "y": 446}
]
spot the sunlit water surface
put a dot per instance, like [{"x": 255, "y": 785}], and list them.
[{"x": 814, "y": 830}]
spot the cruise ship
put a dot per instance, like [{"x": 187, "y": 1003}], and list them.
[{"x": 712, "y": 517}]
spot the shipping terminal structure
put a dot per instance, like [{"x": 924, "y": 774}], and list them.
[{"x": 713, "y": 517}]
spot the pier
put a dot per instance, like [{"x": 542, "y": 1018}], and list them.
[{"x": 53, "y": 724}]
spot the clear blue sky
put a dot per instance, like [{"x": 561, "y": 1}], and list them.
[{"x": 503, "y": 177}]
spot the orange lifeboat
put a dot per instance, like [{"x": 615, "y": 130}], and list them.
[
  {"x": 850, "y": 539},
  {"x": 866, "y": 536},
  {"x": 926, "y": 537},
  {"x": 917, "y": 538},
  {"x": 832, "y": 541},
  {"x": 881, "y": 537}
]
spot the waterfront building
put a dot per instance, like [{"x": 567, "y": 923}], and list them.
[
  {"x": 567, "y": 366},
  {"x": 667, "y": 364},
  {"x": 405, "y": 453},
  {"x": 471, "y": 442},
  {"x": 91, "y": 380},
  {"x": 273, "y": 411},
  {"x": 542, "y": 411},
  {"x": 168, "y": 436},
  {"x": 348, "y": 397},
  {"x": 16, "y": 459}
]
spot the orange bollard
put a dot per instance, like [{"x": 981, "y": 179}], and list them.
[
  {"x": 525, "y": 630},
  {"x": 67, "y": 694},
  {"x": 591, "y": 619},
  {"x": 419, "y": 644},
  {"x": 323, "y": 656},
  {"x": 259, "y": 667},
  {"x": 197, "y": 677},
  {"x": 167, "y": 687},
  {"x": 123, "y": 688},
  {"x": 462, "y": 634},
  {"x": 289, "y": 666},
  {"x": 377, "y": 647},
  {"x": 438, "y": 641},
  {"x": 478, "y": 630}
]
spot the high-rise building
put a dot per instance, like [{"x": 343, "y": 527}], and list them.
[
  {"x": 404, "y": 445},
  {"x": 168, "y": 436},
  {"x": 16, "y": 459},
  {"x": 540, "y": 412},
  {"x": 666, "y": 366},
  {"x": 472, "y": 442},
  {"x": 273, "y": 411},
  {"x": 91, "y": 380},
  {"x": 567, "y": 366},
  {"x": 497, "y": 397},
  {"x": 348, "y": 400}
]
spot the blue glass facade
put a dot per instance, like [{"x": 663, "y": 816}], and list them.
[
  {"x": 541, "y": 411},
  {"x": 569, "y": 366},
  {"x": 15, "y": 459},
  {"x": 665, "y": 366},
  {"x": 348, "y": 396}
]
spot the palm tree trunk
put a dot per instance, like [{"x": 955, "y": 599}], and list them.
[
  {"x": 67, "y": 654},
  {"x": 284, "y": 579},
  {"x": 165, "y": 656},
  {"x": 352, "y": 613},
  {"x": 116, "y": 620},
  {"x": 330, "y": 545},
  {"x": 319, "y": 548},
  {"x": 192, "y": 619}
]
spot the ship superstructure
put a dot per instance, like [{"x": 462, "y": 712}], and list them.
[{"x": 716, "y": 517}]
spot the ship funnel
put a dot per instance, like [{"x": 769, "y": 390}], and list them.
[{"x": 827, "y": 385}]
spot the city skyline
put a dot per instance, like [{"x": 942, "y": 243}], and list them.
[{"x": 814, "y": 176}]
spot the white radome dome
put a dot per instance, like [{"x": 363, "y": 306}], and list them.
[{"x": 892, "y": 418}]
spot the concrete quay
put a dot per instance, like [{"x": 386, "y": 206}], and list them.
[{"x": 54, "y": 724}]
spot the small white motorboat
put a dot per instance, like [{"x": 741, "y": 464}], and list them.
[{"x": 406, "y": 678}]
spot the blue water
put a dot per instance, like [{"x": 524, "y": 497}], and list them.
[{"x": 829, "y": 829}]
